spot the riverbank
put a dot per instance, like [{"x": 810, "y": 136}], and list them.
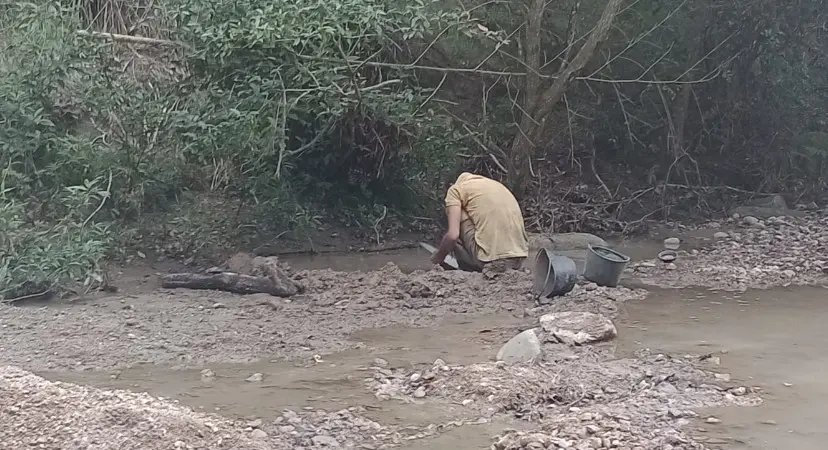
[{"x": 384, "y": 358}]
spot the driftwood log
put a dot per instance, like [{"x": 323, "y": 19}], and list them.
[
  {"x": 242, "y": 274},
  {"x": 227, "y": 281}
]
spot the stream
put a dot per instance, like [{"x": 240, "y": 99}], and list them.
[{"x": 772, "y": 339}]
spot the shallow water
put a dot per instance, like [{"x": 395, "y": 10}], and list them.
[
  {"x": 410, "y": 260},
  {"x": 334, "y": 383},
  {"x": 773, "y": 339}
]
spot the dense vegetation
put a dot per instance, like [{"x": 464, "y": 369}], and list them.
[{"x": 212, "y": 118}]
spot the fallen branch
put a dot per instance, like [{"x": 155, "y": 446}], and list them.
[
  {"x": 128, "y": 38},
  {"x": 227, "y": 281},
  {"x": 265, "y": 251},
  {"x": 468, "y": 70}
]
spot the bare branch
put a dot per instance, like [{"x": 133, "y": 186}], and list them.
[
  {"x": 635, "y": 42},
  {"x": 639, "y": 80},
  {"x": 554, "y": 93},
  {"x": 570, "y": 40},
  {"x": 128, "y": 38}
]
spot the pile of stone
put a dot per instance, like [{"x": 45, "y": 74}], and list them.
[
  {"x": 754, "y": 253},
  {"x": 36, "y": 413},
  {"x": 319, "y": 429},
  {"x": 597, "y": 430},
  {"x": 640, "y": 402}
]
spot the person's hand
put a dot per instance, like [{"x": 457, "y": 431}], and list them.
[{"x": 435, "y": 258}]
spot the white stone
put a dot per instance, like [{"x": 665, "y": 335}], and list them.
[
  {"x": 258, "y": 434},
  {"x": 523, "y": 348},
  {"x": 255, "y": 378},
  {"x": 672, "y": 243},
  {"x": 750, "y": 220}
]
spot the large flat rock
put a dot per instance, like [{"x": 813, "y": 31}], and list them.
[
  {"x": 558, "y": 242},
  {"x": 577, "y": 328}
]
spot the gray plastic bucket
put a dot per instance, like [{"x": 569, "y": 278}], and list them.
[
  {"x": 604, "y": 266},
  {"x": 553, "y": 274}
]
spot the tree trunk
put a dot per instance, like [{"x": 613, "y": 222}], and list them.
[{"x": 538, "y": 105}]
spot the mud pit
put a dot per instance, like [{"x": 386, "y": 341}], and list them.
[{"x": 342, "y": 366}]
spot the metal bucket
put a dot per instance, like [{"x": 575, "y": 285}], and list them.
[
  {"x": 604, "y": 266},
  {"x": 553, "y": 274}
]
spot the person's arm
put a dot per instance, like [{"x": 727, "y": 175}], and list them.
[{"x": 452, "y": 235}]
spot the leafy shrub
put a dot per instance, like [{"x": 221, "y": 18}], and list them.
[{"x": 44, "y": 256}]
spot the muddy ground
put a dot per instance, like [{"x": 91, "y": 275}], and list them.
[{"x": 391, "y": 358}]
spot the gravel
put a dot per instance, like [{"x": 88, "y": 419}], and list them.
[
  {"x": 36, "y": 413},
  {"x": 587, "y": 402},
  {"x": 184, "y": 328},
  {"x": 778, "y": 251}
]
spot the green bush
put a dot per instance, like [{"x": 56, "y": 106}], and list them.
[
  {"x": 48, "y": 255},
  {"x": 283, "y": 109}
]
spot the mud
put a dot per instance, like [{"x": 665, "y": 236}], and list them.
[
  {"x": 191, "y": 328},
  {"x": 387, "y": 359}
]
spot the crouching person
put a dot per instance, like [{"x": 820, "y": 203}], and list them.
[{"x": 485, "y": 226}]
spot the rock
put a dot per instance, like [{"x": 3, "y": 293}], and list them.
[
  {"x": 712, "y": 420},
  {"x": 563, "y": 241},
  {"x": 379, "y": 362},
  {"x": 739, "y": 391},
  {"x": 672, "y": 243},
  {"x": 419, "y": 392},
  {"x": 255, "y": 378},
  {"x": 720, "y": 235},
  {"x": 219, "y": 305},
  {"x": 207, "y": 375},
  {"x": 764, "y": 212},
  {"x": 578, "y": 327},
  {"x": 523, "y": 348},
  {"x": 772, "y": 201},
  {"x": 723, "y": 376},
  {"x": 678, "y": 414},
  {"x": 750, "y": 221},
  {"x": 258, "y": 434},
  {"x": 322, "y": 440},
  {"x": 256, "y": 423},
  {"x": 671, "y": 266},
  {"x": 415, "y": 377}
]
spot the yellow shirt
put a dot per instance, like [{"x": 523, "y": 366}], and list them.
[{"x": 495, "y": 213}]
